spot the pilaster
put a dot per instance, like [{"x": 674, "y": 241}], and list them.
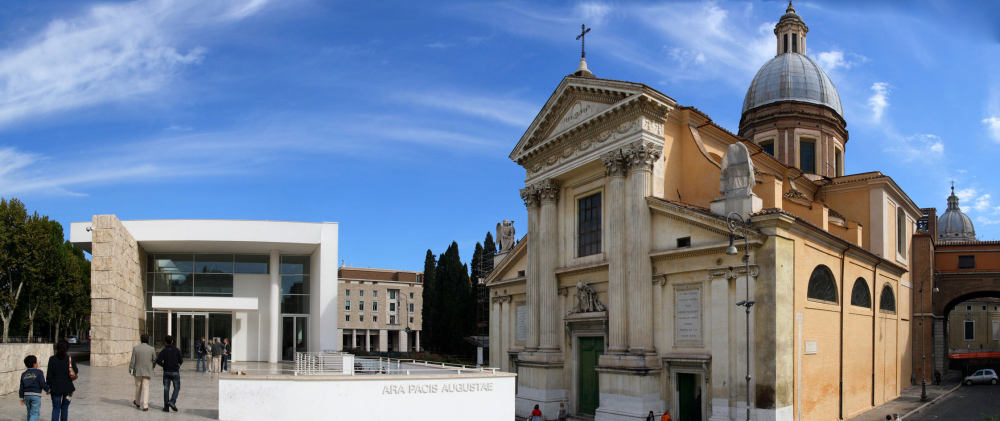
[
  {"x": 548, "y": 193},
  {"x": 530, "y": 196},
  {"x": 640, "y": 158},
  {"x": 773, "y": 318},
  {"x": 616, "y": 167}
]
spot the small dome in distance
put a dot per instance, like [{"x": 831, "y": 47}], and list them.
[{"x": 953, "y": 224}]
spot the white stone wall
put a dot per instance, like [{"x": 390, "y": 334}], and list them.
[
  {"x": 117, "y": 305},
  {"x": 12, "y": 363}
]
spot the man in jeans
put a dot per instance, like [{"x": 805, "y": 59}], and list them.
[
  {"x": 200, "y": 349},
  {"x": 141, "y": 366},
  {"x": 170, "y": 359}
]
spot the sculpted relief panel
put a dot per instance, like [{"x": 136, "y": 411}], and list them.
[
  {"x": 573, "y": 150},
  {"x": 579, "y": 111}
]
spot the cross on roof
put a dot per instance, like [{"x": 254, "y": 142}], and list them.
[{"x": 583, "y": 32}]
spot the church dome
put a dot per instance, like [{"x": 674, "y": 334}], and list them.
[
  {"x": 792, "y": 77},
  {"x": 953, "y": 224}
]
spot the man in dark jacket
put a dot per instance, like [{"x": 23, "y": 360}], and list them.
[
  {"x": 226, "y": 354},
  {"x": 170, "y": 359},
  {"x": 200, "y": 350},
  {"x": 217, "y": 351}
]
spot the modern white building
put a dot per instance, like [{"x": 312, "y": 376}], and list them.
[{"x": 271, "y": 287}]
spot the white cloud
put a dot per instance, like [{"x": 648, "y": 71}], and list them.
[
  {"x": 993, "y": 126},
  {"x": 593, "y": 12},
  {"x": 109, "y": 53},
  {"x": 879, "y": 100},
  {"x": 834, "y": 60},
  {"x": 926, "y": 148},
  {"x": 511, "y": 112}
]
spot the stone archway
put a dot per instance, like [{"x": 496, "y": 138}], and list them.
[{"x": 951, "y": 290}]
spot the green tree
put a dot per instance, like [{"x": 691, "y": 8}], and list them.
[
  {"x": 14, "y": 251},
  {"x": 45, "y": 266}
]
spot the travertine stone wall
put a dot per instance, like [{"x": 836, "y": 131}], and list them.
[
  {"x": 117, "y": 306},
  {"x": 12, "y": 362}
]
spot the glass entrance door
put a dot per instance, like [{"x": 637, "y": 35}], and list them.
[
  {"x": 293, "y": 336},
  {"x": 188, "y": 329}
]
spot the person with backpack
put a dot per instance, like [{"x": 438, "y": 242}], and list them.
[{"x": 200, "y": 350}]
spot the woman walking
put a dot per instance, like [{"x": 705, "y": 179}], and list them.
[{"x": 60, "y": 375}]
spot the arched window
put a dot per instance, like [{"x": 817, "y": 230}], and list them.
[
  {"x": 859, "y": 294},
  {"x": 888, "y": 301},
  {"x": 822, "y": 285}
]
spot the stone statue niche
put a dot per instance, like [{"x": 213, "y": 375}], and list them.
[
  {"x": 736, "y": 184},
  {"x": 505, "y": 235},
  {"x": 586, "y": 299}
]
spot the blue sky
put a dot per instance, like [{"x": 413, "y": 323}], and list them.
[{"x": 396, "y": 118}]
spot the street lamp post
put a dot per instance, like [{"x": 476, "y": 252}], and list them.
[{"x": 736, "y": 221}]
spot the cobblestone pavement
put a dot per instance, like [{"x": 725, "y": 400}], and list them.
[
  {"x": 105, "y": 393},
  {"x": 967, "y": 403},
  {"x": 909, "y": 400}
]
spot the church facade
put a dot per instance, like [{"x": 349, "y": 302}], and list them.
[{"x": 622, "y": 298}]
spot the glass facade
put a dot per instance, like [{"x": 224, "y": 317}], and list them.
[{"x": 295, "y": 284}]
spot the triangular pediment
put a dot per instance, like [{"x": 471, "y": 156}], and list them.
[{"x": 576, "y": 101}]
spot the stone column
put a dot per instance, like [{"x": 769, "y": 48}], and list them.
[
  {"x": 615, "y": 251},
  {"x": 530, "y": 196},
  {"x": 368, "y": 340},
  {"x": 416, "y": 341},
  {"x": 354, "y": 338},
  {"x": 274, "y": 308},
  {"x": 170, "y": 322},
  {"x": 505, "y": 323},
  {"x": 383, "y": 340},
  {"x": 640, "y": 157},
  {"x": 404, "y": 341},
  {"x": 548, "y": 193}
]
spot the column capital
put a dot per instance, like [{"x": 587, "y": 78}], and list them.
[
  {"x": 530, "y": 196},
  {"x": 614, "y": 163},
  {"x": 641, "y": 156},
  {"x": 548, "y": 190}
]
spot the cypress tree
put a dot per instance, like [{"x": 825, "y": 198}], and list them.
[
  {"x": 489, "y": 250},
  {"x": 429, "y": 296}
]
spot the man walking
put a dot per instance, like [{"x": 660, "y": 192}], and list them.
[
  {"x": 141, "y": 366},
  {"x": 217, "y": 350},
  {"x": 200, "y": 349},
  {"x": 226, "y": 352},
  {"x": 170, "y": 359}
]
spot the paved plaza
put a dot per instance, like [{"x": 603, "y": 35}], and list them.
[{"x": 105, "y": 393}]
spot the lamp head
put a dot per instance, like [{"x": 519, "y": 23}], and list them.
[{"x": 732, "y": 245}]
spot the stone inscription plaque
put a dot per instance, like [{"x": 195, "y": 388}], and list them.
[
  {"x": 522, "y": 322},
  {"x": 687, "y": 327}
]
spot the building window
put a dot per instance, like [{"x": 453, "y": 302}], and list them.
[
  {"x": 795, "y": 43},
  {"x": 900, "y": 232},
  {"x": 807, "y": 156},
  {"x": 253, "y": 263},
  {"x": 374, "y": 293},
  {"x": 589, "y": 226},
  {"x": 361, "y": 306},
  {"x": 411, "y": 320},
  {"x": 888, "y": 301},
  {"x": 374, "y": 305},
  {"x": 970, "y": 330},
  {"x": 294, "y": 271},
  {"x": 361, "y": 318},
  {"x": 374, "y": 319},
  {"x": 859, "y": 294},
  {"x": 361, "y": 293},
  {"x": 966, "y": 262},
  {"x": 411, "y": 295},
  {"x": 347, "y": 305},
  {"x": 785, "y": 44},
  {"x": 838, "y": 163},
  {"x": 392, "y": 306},
  {"x": 347, "y": 318},
  {"x": 392, "y": 294},
  {"x": 347, "y": 293},
  {"x": 392, "y": 320},
  {"x": 768, "y": 146},
  {"x": 822, "y": 285},
  {"x": 411, "y": 307},
  {"x": 684, "y": 242}
]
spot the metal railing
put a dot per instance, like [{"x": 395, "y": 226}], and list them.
[{"x": 341, "y": 363}]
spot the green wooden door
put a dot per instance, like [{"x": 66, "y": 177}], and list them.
[
  {"x": 588, "y": 394},
  {"x": 685, "y": 398}
]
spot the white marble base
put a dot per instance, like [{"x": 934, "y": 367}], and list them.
[
  {"x": 742, "y": 205},
  {"x": 721, "y": 411},
  {"x": 616, "y": 407}
]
